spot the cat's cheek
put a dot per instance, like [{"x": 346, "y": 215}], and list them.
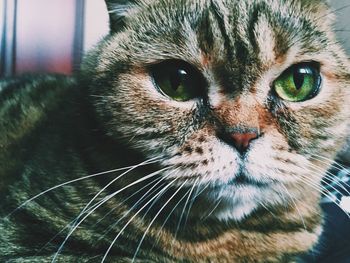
[
  {"x": 319, "y": 124},
  {"x": 142, "y": 116}
]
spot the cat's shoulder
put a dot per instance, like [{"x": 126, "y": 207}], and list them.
[
  {"x": 26, "y": 100},
  {"x": 26, "y": 103}
]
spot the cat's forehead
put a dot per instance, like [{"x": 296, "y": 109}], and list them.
[
  {"x": 239, "y": 38},
  {"x": 268, "y": 27},
  {"x": 233, "y": 15}
]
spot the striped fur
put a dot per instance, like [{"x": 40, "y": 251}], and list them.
[{"x": 112, "y": 116}]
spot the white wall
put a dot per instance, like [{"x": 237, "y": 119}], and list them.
[
  {"x": 44, "y": 40},
  {"x": 96, "y": 22}
]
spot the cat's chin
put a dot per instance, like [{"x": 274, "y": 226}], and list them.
[
  {"x": 236, "y": 202},
  {"x": 236, "y": 211}
]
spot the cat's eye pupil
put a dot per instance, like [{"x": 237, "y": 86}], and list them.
[
  {"x": 299, "y": 77},
  {"x": 177, "y": 78}
]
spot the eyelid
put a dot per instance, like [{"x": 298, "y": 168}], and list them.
[{"x": 313, "y": 64}]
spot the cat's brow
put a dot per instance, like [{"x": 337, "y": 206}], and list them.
[{"x": 220, "y": 18}]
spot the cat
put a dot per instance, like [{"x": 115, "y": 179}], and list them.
[{"x": 196, "y": 131}]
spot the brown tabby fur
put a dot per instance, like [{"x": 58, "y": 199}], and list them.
[{"x": 113, "y": 116}]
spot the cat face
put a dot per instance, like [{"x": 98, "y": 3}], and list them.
[{"x": 245, "y": 100}]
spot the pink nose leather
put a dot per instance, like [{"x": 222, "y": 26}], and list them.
[{"x": 242, "y": 140}]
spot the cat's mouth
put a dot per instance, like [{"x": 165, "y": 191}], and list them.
[
  {"x": 236, "y": 198},
  {"x": 243, "y": 177},
  {"x": 243, "y": 180}
]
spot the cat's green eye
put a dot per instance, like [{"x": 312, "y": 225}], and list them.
[
  {"x": 178, "y": 80},
  {"x": 298, "y": 83}
]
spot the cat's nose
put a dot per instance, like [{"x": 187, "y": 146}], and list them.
[{"x": 241, "y": 141}]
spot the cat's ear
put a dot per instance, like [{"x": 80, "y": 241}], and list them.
[
  {"x": 118, "y": 10},
  {"x": 317, "y": 5},
  {"x": 321, "y": 11}
]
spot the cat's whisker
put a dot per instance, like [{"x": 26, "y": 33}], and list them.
[
  {"x": 87, "y": 211},
  {"x": 327, "y": 176},
  {"x": 340, "y": 178},
  {"x": 194, "y": 198},
  {"x": 312, "y": 251},
  {"x": 212, "y": 210},
  {"x": 330, "y": 162},
  {"x": 284, "y": 198},
  {"x": 333, "y": 199},
  {"x": 195, "y": 193},
  {"x": 202, "y": 190},
  {"x": 158, "y": 213},
  {"x": 331, "y": 177},
  {"x": 304, "y": 205},
  {"x": 70, "y": 182},
  {"x": 295, "y": 205},
  {"x": 152, "y": 160},
  {"x": 105, "y": 200},
  {"x": 321, "y": 187},
  {"x": 126, "y": 199},
  {"x": 184, "y": 208},
  {"x": 306, "y": 179},
  {"x": 329, "y": 184},
  {"x": 139, "y": 202},
  {"x": 334, "y": 179},
  {"x": 325, "y": 192},
  {"x": 188, "y": 193},
  {"x": 132, "y": 218},
  {"x": 267, "y": 209},
  {"x": 298, "y": 211},
  {"x": 148, "y": 193},
  {"x": 69, "y": 225},
  {"x": 156, "y": 200},
  {"x": 168, "y": 217}
]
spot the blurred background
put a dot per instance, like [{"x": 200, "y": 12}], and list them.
[{"x": 48, "y": 36}]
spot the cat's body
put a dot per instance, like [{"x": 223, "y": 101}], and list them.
[{"x": 230, "y": 174}]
